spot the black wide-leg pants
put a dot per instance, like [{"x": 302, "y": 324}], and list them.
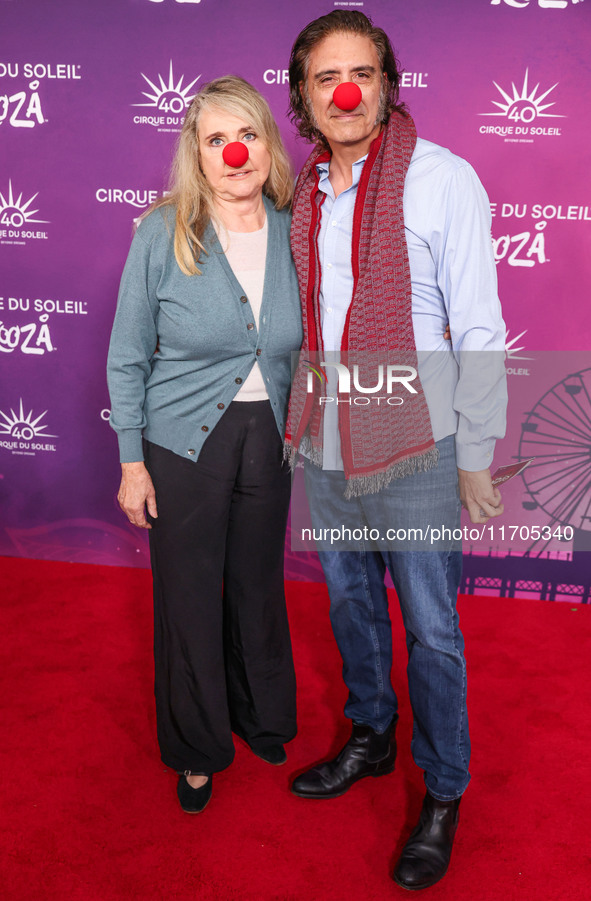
[{"x": 222, "y": 649}]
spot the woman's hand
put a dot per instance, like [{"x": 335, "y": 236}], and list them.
[{"x": 136, "y": 492}]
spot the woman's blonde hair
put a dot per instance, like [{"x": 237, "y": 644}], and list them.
[{"x": 189, "y": 190}]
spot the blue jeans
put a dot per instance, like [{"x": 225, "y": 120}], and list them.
[{"x": 426, "y": 583}]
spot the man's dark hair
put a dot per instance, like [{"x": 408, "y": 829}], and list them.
[{"x": 339, "y": 21}]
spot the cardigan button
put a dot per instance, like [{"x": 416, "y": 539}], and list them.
[
  {"x": 259, "y": 351},
  {"x": 205, "y": 428},
  {"x": 238, "y": 380},
  {"x": 243, "y": 299},
  {"x": 250, "y": 326},
  {"x": 191, "y": 452},
  {"x": 221, "y": 406}
]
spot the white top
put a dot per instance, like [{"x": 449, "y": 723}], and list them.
[{"x": 246, "y": 253}]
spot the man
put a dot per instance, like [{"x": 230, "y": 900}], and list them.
[{"x": 391, "y": 239}]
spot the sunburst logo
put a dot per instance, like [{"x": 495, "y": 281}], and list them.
[
  {"x": 171, "y": 98},
  {"x": 524, "y": 106},
  {"x": 513, "y": 352},
  {"x": 24, "y": 426},
  {"x": 15, "y": 212}
]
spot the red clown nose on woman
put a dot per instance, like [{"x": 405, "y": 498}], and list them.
[{"x": 235, "y": 154}]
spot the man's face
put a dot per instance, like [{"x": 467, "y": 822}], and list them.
[{"x": 345, "y": 57}]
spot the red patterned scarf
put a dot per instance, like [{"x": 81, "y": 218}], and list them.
[{"x": 379, "y": 442}]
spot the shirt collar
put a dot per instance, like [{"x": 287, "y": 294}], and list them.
[{"x": 324, "y": 168}]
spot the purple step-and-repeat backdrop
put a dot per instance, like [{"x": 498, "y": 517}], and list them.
[{"x": 92, "y": 96}]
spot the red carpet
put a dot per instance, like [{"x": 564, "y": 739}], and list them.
[{"x": 91, "y": 813}]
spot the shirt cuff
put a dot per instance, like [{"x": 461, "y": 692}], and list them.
[{"x": 475, "y": 457}]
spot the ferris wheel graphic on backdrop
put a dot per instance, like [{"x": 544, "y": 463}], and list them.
[{"x": 557, "y": 432}]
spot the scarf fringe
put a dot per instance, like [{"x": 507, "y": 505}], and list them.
[
  {"x": 291, "y": 453},
  {"x": 357, "y": 486}
]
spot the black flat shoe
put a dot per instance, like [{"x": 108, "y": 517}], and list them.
[
  {"x": 273, "y": 754},
  {"x": 193, "y": 800},
  {"x": 367, "y": 753},
  {"x": 425, "y": 857}
]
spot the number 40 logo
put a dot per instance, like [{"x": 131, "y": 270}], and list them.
[{"x": 525, "y": 105}]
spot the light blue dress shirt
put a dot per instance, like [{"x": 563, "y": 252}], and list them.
[{"x": 447, "y": 222}]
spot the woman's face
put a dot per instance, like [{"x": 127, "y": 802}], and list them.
[{"x": 218, "y": 128}]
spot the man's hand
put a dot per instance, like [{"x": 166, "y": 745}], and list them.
[
  {"x": 136, "y": 492},
  {"x": 478, "y": 496}
]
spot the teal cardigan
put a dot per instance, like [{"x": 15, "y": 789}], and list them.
[{"x": 181, "y": 346}]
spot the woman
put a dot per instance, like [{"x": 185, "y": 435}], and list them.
[{"x": 199, "y": 365}]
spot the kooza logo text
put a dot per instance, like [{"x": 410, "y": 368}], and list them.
[{"x": 22, "y": 108}]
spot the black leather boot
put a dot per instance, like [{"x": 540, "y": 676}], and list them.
[
  {"x": 367, "y": 753},
  {"x": 425, "y": 858}
]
